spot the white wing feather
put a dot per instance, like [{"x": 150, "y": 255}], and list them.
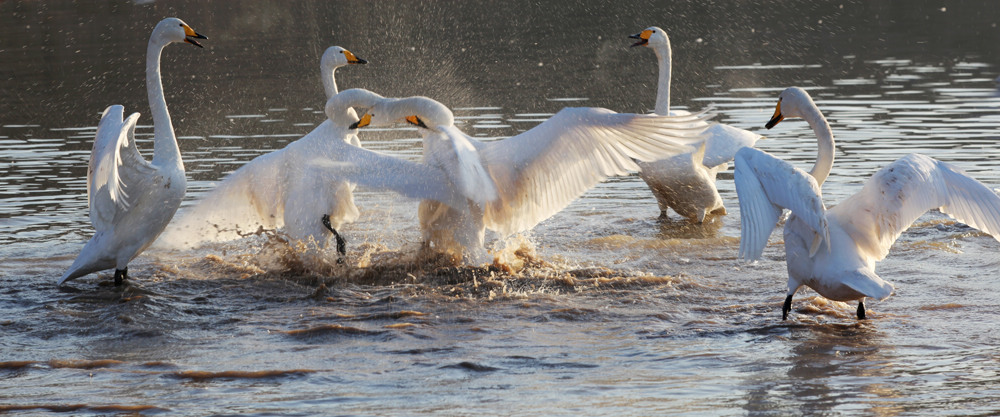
[
  {"x": 375, "y": 170},
  {"x": 114, "y": 158},
  {"x": 472, "y": 179},
  {"x": 541, "y": 171},
  {"x": 904, "y": 190},
  {"x": 765, "y": 185},
  {"x": 723, "y": 141}
]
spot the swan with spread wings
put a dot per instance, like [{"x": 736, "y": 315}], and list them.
[
  {"x": 132, "y": 200},
  {"x": 514, "y": 183},
  {"x": 834, "y": 251}
]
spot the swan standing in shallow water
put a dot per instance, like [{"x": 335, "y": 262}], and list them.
[
  {"x": 254, "y": 195},
  {"x": 513, "y": 184},
  {"x": 686, "y": 182},
  {"x": 834, "y": 251},
  {"x": 132, "y": 200}
]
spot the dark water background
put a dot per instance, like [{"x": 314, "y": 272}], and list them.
[{"x": 610, "y": 312}]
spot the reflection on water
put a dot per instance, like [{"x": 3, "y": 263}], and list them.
[{"x": 602, "y": 309}]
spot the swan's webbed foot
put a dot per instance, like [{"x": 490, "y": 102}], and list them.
[
  {"x": 786, "y": 307},
  {"x": 120, "y": 276},
  {"x": 341, "y": 243},
  {"x": 861, "y": 309}
]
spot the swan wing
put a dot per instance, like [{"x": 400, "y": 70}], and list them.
[
  {"x": 377, "y": 170},
  {"x": 472, "y": 178},
  {"x": 904, "y": 190},
  {"x": 113, "y": 160},
  {"x": 765, "y": 185},
  {"x": 724, "y": 141},
  {"x": 542, "y": 170}
]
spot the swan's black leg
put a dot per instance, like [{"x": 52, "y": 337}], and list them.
[
  {"x": 787, "y": 307},
  {"x": 861, "y": 309},
  {"x": 341, "y": 243},
  {"x": 120, "y": 276}
]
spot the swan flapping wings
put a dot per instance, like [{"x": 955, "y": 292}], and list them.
[
  {"x": 541, "y": 171},
  {"x": 874, "y": 218}
]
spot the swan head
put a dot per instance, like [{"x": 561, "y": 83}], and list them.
[
  {"x": 651, "y": 37},
  {"x": 335, "y": 57},
  {"x": 173, "y": 29},
  {"x": 793, "y": 102}
]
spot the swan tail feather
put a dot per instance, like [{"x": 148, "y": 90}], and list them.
[{"x": 868, "y": 283}]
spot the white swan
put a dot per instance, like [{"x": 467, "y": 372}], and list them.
[
  {"x": 686, "y": 182},
  {"x": 253, "y": 196},
  {"x": 335, "y": 57},
  {"x": 514, "y": 183},
  {"x": 834, "y": 251},
  {"x": 132, "y": 200},
  {"x": 294, "y": 189}
]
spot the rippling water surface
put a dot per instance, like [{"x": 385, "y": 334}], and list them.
[{"x": 601, "y": 309}]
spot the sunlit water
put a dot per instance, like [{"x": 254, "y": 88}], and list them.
[{"x": 608, "y": 310}]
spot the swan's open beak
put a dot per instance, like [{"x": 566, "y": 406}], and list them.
[
  {"x": 776, "y": 118},
  {"x": 365, "y": 121},
  {"x": 192, "y": 35},
  {"x": 353, "y": 59},
  {"x": 414, "y": 120},
  {"x": 643, "y": 37}
]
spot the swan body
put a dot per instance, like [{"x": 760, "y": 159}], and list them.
[
  {"x": 513, "y": 184},
  {"x": 834, "y": 251},
  {"x": 686, "y": 182},
  {"x": 131, "y": 200},
  {"x": 297, "y": 189}
]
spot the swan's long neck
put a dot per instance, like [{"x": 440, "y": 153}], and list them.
[
  {"x": 663, "y": 56},
  {"x": 329, "y": 81},
  {"x": 165, "y": 150},
  {"x": 824, "y": 142}
]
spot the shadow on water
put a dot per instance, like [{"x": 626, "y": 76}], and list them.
[{"x": 826, "y": 368}]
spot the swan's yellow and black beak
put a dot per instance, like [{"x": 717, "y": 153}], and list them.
[
  {"x": 643, "y": 37},
  {"x": 353, "y": 59},
  {"x": 414, "y": 120},
  {"x": 365, "y": 121},
  {"x": 777, "y": 117},
  {"x": 191, "y": 35}
]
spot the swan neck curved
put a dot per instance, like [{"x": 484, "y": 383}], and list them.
[
  {"x": 165, "y": 150},
  {"x": 340, "y": 107},
  {"x": 825, "y": 145},
  {"x": 663, "y": 56}
]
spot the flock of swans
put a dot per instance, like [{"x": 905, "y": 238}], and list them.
[{"x": 510, "y": 185}]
